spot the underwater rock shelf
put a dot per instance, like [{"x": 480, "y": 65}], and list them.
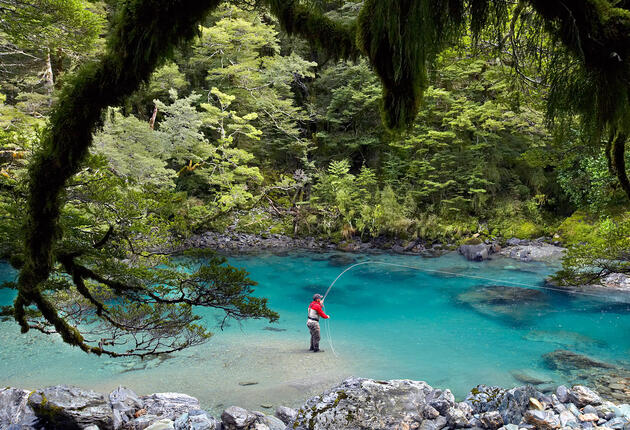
[{"x": 355, "y": 404}]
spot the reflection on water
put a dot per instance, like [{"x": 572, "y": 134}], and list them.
[{"x": 387, "y": 322}]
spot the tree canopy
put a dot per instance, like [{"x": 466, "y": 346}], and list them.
[{"x": 402, "y": 40}]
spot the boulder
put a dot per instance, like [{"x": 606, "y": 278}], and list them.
[
  {"x": 484, "y": 398},
  {"x": 273, "y": 423},
  {"x": 567, "y": 419},
  {"x": 164, "y": 424},
  {"x": 515, "y": 402},
  {"x": 196, "y": 420},
  {"x": 169, "y": 405},
  {"x": 285, "y": 414},
  {"x": 533, "y": 252},
  {"x": 456, "y": 418},
  {"x": 562, "y": 393},
  {"x": 14, "y": 408},
  {"x": 124, "y": 404},
  {"x": 542, "y": 420},
  {"x": 480, "y": 252},
  {"x": 235, "y": 417},
  {"x": 435, "y": 424},
  {"x": 581, "y": 396},
  {"x": 366, "y": 404},
  {"x": 491, "y": 420},
  {"x": 70, "y": 408}
]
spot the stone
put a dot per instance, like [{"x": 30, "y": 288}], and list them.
[
  {"x": 624, "y": 410},
  {"x": 465, "y": 408},
  {"x": 237, "y": 417},
  {"x": 260, "y": 426},
  {"x": 533, "y": 252},
  {"x": 430, "y": 413},
  {"x": 67, "y": 407},
  {"x": 588, "y": 417},
  {"x": 285, "y": 414},
  {"x": 196, "y": 420},
  {"x": 456, "y": 418},
  {"x": 616, "y": 423},
  {"x": 478, "y": 252},
  {"x": 566, "y": 418},
  {"x": 541, "y": 420},
  {"x": 573, "y": 409},
  {"x": 169, "y": 405},
  {"x": 273, "y": 423},
  {"x": 367, "y": 404},
  {"x": 581, "y": 396},
  {"x": 484, "y": 398},
  {"x": 436, "y": 424},
  {"x": 515, "y": 402},
  {"x": 535, "y": 404},
  {"x": 562, "y": 393},
  {"x": 511, "y": 427},
  {"x": 491, "y": 420},
  {"x": 124, "y": 404},
  {"x": 589, "y": 409},
  {"x": 14, "y": 408},
  {"x": 442, "y": 401},
  {"x": 91, "y": 428},
  {"x": 164, "y": 424}
]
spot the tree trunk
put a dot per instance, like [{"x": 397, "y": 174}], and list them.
[
  {"x": 49, "y": 78},
  {"x": 619, "y": 162},
  {"x": 152, "y": 120}
]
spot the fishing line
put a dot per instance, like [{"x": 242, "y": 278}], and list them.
[{"x": 443, "y": 272}]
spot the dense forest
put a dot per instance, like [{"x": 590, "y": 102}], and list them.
[{"x": 249, "y": 129}]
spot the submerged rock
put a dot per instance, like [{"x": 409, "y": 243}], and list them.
[
  {"x": 561, "y": 337},
  {"x": 531, "y": 377},
  {"x": 341, "y": 260},
  {"x": 515, "y": 304},
  {"x": 561, "y": 359}
]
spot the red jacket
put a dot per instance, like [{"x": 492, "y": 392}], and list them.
[{"x": 316, "y": 306}]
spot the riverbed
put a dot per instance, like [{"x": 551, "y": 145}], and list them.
[{"x": 452, "y": 323}]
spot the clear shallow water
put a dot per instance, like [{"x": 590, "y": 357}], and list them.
[{"x": 387, "y": 322}]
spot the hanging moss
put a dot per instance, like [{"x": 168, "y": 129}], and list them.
[
  {"x": 144, "y": 32},
  {"x": 592, "y": 80},
  {"x": 337, "y": 39},
  {"x": 400, "y": 37}
]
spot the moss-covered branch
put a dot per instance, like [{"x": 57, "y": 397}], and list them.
[{"x": 144, "y": 32}]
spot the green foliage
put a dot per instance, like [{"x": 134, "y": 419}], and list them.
[
  {"x": 259, "y": 122},
  {"x": 604, "y": 253},
  {"x": 134, "y": 151}
]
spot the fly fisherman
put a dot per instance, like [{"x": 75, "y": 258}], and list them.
[{"x": 314, "y": 312}]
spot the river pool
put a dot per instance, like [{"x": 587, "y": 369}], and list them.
[{"x": 387, "y": 322}]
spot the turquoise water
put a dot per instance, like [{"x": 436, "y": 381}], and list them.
[{"x": 387, "y": 322}]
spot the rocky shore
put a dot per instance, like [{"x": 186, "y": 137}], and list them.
[
  {"x": 543, "y": 249},
  {"x": 234, "y": 242},
  {"x": 355, "y": 404}
]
